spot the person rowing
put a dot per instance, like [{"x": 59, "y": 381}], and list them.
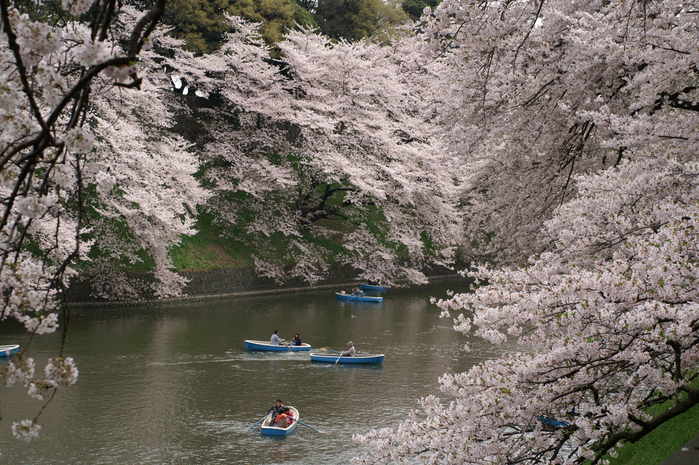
[
  {"x": 276, "y": 340},
  {"x": 349, "y": 352},
  {"x": 276, "y": 410}
]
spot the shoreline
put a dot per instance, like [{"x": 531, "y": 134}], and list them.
[{"x": 237, "y": 294}]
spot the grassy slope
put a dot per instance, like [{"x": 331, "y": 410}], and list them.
[
  {"x": 662, "y": 442},
  {"x": 207, "y": 250}
]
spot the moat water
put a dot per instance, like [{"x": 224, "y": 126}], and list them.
[{"x": 173, "y": 384}]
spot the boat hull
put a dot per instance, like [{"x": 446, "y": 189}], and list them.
[
  {"x": 361, "y": 358},
  {"x": 266, "y": 346},
  {"x": 358, "y": 298},
  {"x": 371, "y": 287},
  {"x": 9, "y": 350},
  {"x": 275, "y": 431}
]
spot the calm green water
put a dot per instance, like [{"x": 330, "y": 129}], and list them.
[{"x": 175, "y": 385}]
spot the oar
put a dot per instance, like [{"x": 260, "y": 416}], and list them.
[
  {"x": 287, "y": 346},
  {"x": 329, "y": 350},
  {"x": 338, "y": 358},
  {"x": 309, "y": 426},
  {"x": 263, "y": 419}
]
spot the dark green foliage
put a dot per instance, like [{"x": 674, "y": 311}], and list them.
[
  {"x": 414, "y": 8},
  {"x": 202, "y": 23},
  {"x": 276, "y": 16},
  {"x": 356, "y": 19}
]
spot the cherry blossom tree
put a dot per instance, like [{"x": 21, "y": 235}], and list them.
[
  {"x": 606, "y": 316},
  {"x": 77, "y": 180},
  {"x": 332, "y": 132},
  {"x": 536, "y": 92},
  {"x": 605, "y": 334}
]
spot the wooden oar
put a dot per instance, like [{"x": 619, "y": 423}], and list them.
[
  {"x": 309, "y": 426},
  {"x": 287, "y": 346},
  {"x": 329, "y": 350},
  {"x": 263, "y": 419}
]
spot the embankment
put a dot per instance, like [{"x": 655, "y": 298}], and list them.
[{"x": 223, "y": 284}]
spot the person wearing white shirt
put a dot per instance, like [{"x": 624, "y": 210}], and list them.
[
  {"x": 276, "y": 340},
  {"x": 349, "y": 352}
]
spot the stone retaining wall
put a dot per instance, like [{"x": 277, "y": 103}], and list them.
[{"x": 220, "y": 284}]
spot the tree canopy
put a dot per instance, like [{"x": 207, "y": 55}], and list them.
[
  {"x": 76, "y": 175},
  {"x": 553, "y": 142},
  {"x": 577, "y": 123},
  {"x": 325, "y": 158}
]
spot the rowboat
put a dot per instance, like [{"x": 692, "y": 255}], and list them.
[
  {"x": 358, "y": 298},
  {"x": 372, "y": 287},
  {"x": 276, "y": 431},
  {"x": 361, "y": 358},
  {"x": 265, "y": 345},
  {"x": 9, "y": 350}
]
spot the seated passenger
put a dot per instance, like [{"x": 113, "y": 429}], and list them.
[
  {"x": 289, "y": 416},
  {"x": 282, "y": 421}
]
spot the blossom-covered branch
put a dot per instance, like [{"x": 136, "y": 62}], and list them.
[{"x": 63, "y": 173}]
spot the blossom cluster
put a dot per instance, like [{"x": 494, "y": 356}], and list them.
[
  {"x": 26, "y": 430},
  {"x": 52, "y": 72},
  {"x": 61, "y": 371},
  {"x": 35, "y": 207},
  {"x": 77, "y": 7}
]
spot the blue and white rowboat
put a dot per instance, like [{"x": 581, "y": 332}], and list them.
[
  {"x": 9, "y": 350},
  {"x": 358, "y": 298},
  {"x": 361, "y": 358},
  {"x": 265, "y": 345},
  {"x": 371, "y": 287},
  {"x": 275, "y": 430}
]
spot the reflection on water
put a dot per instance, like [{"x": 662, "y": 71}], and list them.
[{"x": 175, "y": 385}]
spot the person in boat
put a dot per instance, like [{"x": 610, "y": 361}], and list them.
[
  {"x": 289, "y": 415},
  {"x": 349, "y": 352},
  {"x": 371, "y": 282},
  {"x": 357, "y": 291},
  {"x": 276, "y": 340},
  {"x": 276, "y": 410},
  {"x": 282, "y": 420},
  {"x": 296, "y": 341}
]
